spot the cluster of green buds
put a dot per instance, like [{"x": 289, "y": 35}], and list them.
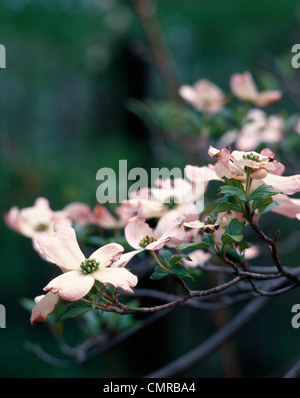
[
  {"x": 146, "y": 241},
  {"x": 41, "y": 228},
  {"x": 88, "y": 266},
  {"x": 252, "y": 156}
]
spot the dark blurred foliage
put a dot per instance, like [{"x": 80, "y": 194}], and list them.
[{"x": 72, "y": 67}]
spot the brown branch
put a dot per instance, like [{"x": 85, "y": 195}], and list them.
[
  {"x": 272, "y": 245},
  {"x": 124, "y": 309}
]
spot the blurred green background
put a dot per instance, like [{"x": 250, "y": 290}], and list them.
[{"x": 71, "y": 67}]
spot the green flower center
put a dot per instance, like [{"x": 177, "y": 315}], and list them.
[
  {"x": 252, "y": 156},
  {"x": 41, "y": 228},
  {"x": 88, "y": 266},
  {"x": 147, "y": 240}
]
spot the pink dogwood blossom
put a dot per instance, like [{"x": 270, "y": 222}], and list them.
[
  {"x": 105, "y": 219},
  {"x": 141, "y": 236},
  {"x": 80, "y": 213},
  {"x": 265, "y": 168},
  {"x": 204, "y": 96},
  {"x": 80, "y": 273},
  {"x": 257, "y": 129},
  {"x": 243, "y": 87},
  {"x": 31, "y": 221}
]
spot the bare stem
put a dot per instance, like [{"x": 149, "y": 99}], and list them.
[{"x": 272, "y": 245}]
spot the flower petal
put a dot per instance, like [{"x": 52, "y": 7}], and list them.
[
  {"x": 72, "y": 285},
  {"x": 44, "y": 307},
  {"x": 268, "y": 97},
  {"x": 285, "y": 184},
  {"x": 107, "y": 254},
  {"x": 137, "y": 229},
  {"x": 243, "y": 87},
  {"x": 287, "y": 206},
  {"x": 79, "y": 212},
  {"x": 118, "y": 277},
  {"x": 61, "y": 247},
  {"x": 125, "y": 258},
  {"x": 104, "y": 218}
]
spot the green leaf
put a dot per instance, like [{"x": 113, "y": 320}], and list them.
[
  {"x": 268, "y": 208},
  {"x": 227, "y": 239},
  {"x": 233, "y": 253},
  {"x": 181, "y": 271},
  {"x": 226, "y": 206},
  {"x": 244, "y": 245},
  {"x": 158, "y": 273},
  {"x": 60, "y": 327},
  {"x": 235, "y": 227},
  {"x": 207, "y": 242},
  {"x": 175, "y": 259},
  {"x": 165, "y": 258},
  {"x": 95, "y": 299},
  {"x": 74, "y": 310},
  {"x": 262, "y": 192},
  {"x": 233, "y": 232},
  {"x": 234, "y": 183},
  {"x": 233, "y": 191}
]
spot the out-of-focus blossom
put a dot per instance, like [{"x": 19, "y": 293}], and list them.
[
  {"x": 297, "y": 126},
  {"x": 167, "y": 200},
  {"x": 45, "y": 305},
  {"x": 80, "y": 273},
  {"x": 198, "y": 259},
  {"x": 80, "y": 213},
  {"x": 243, "y": 87},
  {"x": 251, "y": 252},
  {"x": 144, "y": 208},
  {"x": 257, "y": 129},
  {"x": 31, "y": 221},
  {"x": 204, "y": 96},
  {"x": 265, "y": 169},
  {"x": 288, "y": 207},
  {"x": 105, "y": 219}
]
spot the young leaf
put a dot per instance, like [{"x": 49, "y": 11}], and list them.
[
  {"x": 233, "y": 253},
  {"x": 226, "y": 205},
  {"x": 165, "y": 257},
  {"x": 234, "y": 183},
  {"x": 262, "y": 192},
  {"x": 233, "y": 232},
  {"x": 194, "y": 245},
  {"x": 207, "y": 242},
  {"x": 74, "y": 310},
  {"x": 227, "y": 239},
  {"x": 233, "y": 191},
  {"x": 235, "y": 227},
  {"x": 60, "y": 327},
  {"x": 175, "y": 259},
  {"x": 181, "y": 271},
  {"x": 158, "y": 273}
]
